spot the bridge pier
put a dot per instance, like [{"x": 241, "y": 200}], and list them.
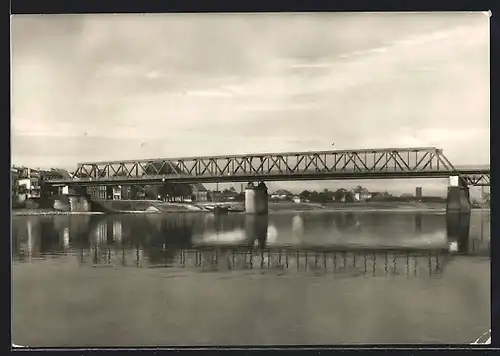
[
  {"x": 256, "y": 200},
  {"x": 458, "y": 212},
  {"x": 78, "y": 199},
  {"x": 457, "y": 230},
  {"x": 458, "y": 197}
]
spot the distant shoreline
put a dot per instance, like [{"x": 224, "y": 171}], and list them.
[{"x": 169, "y": 208}]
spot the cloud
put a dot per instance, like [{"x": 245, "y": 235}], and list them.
[
  {"x": 210, "y": 93},
  {"x": 351, "y": 70}
]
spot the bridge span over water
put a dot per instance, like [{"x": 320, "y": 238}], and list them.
[{"x": 388, "y": 163}]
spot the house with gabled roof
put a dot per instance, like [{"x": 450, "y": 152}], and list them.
[
  {"x": 282, "y": 194},
  {"x": 200, "y": 193}
]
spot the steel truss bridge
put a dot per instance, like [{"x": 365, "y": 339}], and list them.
[{"x": 389, "y": 163}]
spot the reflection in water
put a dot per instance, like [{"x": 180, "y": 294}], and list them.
[
  {"x": 159, "y": 236},
  {"x": 418, "y": 222},
  {"x": 226, "y": 258},
  {"x": 457, "y": 227},
  {"x": 66, "y": 238},
  {"x": 297, "y": 229}
]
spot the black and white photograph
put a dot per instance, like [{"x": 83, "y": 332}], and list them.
[{"x": 250, "y": 179}]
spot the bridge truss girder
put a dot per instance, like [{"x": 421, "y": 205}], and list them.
[
  {"x": 476, "y": 180},
  {"x": 352, "y": 164}
]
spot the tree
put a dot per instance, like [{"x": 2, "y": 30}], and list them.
[
  {"x": 327, "y": 195},
  {"x": 361, "y": 190},
  {"x": 305, "y": 195},
  {"x": 349, "y": 197},
  {"x": 340, "y": 194},
  {"x": 151, "y": 192},
  {"x": 184, "y": 190}
]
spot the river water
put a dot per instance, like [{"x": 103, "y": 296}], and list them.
[{"x": 290, "y": 278}]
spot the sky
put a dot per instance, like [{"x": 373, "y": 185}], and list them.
[{"x": 129, "y": 86}]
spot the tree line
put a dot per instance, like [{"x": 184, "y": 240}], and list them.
[
  {"x": 344, "y": 195},
  {"x": 340, "y": 194}
]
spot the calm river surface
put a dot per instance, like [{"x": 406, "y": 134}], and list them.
[{"x": 285, "y": 279}]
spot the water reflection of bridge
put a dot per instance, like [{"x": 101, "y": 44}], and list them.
[
  {"x": 57, "y": 234},
  {"x": 374, "y": 262}
]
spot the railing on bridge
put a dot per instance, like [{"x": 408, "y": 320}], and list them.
[{"x": 341, "y": 164}]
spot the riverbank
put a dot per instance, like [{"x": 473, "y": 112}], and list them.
[
  {"x": 50, "y": 212},
  {"x": 291, "y": 206},
  {"x": 159, "y": 207},
  {"x": 121, "y": 207}
]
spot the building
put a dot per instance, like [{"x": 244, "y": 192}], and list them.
[
  {"x": 229, "y": 195},
  {"x": 15, "y": 174},
  {"x": 120, "y": 192},
  {"x": 282, "y": 194},
  {"x": 364, "y": 196},
  {"x": 297, "y": 199},
  {"x": 418, "y": 192},
  {"x": 29, "y": 184},
  {"x": 20, "y": 172},
  {"x": 97, "y": 192},
  {"x": 200, "y": 193},
  {"x": 117, "y": 192},
  {"x": 216, "y": 195},
  {"x": 53, "y": 174}
]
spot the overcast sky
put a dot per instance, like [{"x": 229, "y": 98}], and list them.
[{"x": 99, "y": 87}]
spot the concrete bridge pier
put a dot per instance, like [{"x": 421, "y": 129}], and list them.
[
  {"x": 458, "y": 197},
  {"x": 256, "y": 201},
  {"x": 78, "y": 199},
  {"x": 458, "y": 212}
]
